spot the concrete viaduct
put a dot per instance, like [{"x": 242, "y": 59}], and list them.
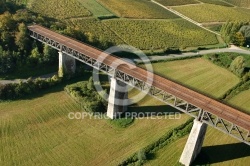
[{"x": 205, "y": 110}]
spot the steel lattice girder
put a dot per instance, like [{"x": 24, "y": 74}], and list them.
[{"x": 170, "y": 99}]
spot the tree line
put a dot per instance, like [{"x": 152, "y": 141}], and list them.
[{"x": 237, "y": 33}]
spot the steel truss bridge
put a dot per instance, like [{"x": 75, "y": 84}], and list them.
[{"x": 207, "y": 110}]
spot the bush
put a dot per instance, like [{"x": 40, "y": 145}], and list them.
[
  {"x": 18, "y": 90},
  {"x": 85, "y": 94}
]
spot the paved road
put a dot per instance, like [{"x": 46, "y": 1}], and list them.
[
  {"x": 191, "y": 54},
  {"x": 24, "y": 80}
]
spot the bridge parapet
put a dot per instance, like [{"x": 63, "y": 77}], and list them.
[{"x": 203, "y": 108}]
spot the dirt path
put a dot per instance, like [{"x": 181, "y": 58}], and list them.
[{"x": 184, "y": 17}]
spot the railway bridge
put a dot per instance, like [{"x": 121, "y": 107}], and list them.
[{"x": 205, "y": 110}]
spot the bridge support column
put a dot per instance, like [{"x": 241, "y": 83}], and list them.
[
  {"x": 67, "y": 64},
  {"x": 194, "y": 143},
  {"x": 118, "y": 96}
]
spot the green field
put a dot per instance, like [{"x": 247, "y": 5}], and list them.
[
  {"x": 218, "y": 149},
  {"x": 176, "y": 2},
  {"x": 200, "y": 74},
  {"x": 240, "y": 3},
  {"x": 95, "y": 8},
  {"x": 37, "y": 131},
  {"x": 214, "y": 13},
  {"x": 160, "y": 34},
  {"x": 242, "y": 100},
  {"x": 137, "y": 9},
  {"x": 59, "y": 10}
]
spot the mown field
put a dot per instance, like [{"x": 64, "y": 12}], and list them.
[
  {"x": 240, "y": 3},
  {"x": 59, "y": 10},
  {"x": 218, "y": 149},
  {"x": 37, "y": 131},
  {"x": 176, "y": 2},
  {"x": 200, "y": 74},
  {"x": 242, "y": 100},
  {"x": 137, "y": 9},
  {"x": 96, "y": 8},
  {"x": 155, "y": 34},
  {"x": 214, "y": 13}
]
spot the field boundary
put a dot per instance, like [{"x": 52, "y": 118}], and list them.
[{"x": 185, "y": 17}]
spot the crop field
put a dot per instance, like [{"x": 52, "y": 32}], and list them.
[
  {"x": 199, "y": 74},
  {"x": 38, "y": 131},
  {"x": 54, "y": 9},
  {"x": 137, "y": 9},
  {"x": 95, "y": 8},
  {"x": 176, "y": 2},
  {"x": 217, "y": 2},
  {"x": 242, "y": 100},
  {"x": 218, "y": 149},
  {"x": 214, "y": 13},
  {"x": 240, "y": 3},
  {"x": 96, "y": 28},
  {"x": 160, "y": 34}
]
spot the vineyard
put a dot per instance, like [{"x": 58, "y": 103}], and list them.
[
  {"x": 54, "y": 9},
  {"x": 96, "y": 28},
  {"x": 137, "y": 9},
  {"x": 214, "y": 13},
  {"x": 240, "y": 3},
  {"x": 176, "y": 2},
  {"x": 217, "y": 2},
  {"x": 158, "y": 34},
  {"x": 96, "y": 8}
]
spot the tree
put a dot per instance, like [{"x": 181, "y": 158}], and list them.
[
  {"x": 21, "y": 39},
  {"x": 239, "y": 39},
  {"x": 238, "y": 66},
  {"x": 49, "y": 54},
  {"x": 6, "y": 22},
  {"x": 2, "y": 6}
]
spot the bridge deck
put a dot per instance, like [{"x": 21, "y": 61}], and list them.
[{"x": 213, "y": 106}]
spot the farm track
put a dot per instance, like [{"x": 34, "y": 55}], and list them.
[{"x": 185, "y": 17}]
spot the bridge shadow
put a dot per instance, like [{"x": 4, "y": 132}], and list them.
[
  {"x": 220, "y": 153},
  {"x": 147, "y": 111}
]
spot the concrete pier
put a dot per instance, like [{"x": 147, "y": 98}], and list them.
[
  {"x": 194, "y": 143},
  {"x": 67, "y": 64},
  {"x": 118, "y": 96}
]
